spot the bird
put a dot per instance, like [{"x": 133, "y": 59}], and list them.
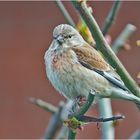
[{"x": 74, "y": 68}]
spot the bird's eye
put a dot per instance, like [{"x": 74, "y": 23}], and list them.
[{"x": 69, "y": 36}]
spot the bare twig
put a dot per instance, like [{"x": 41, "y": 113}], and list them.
[
  {"x": 44, "y": 105},
  {"x": 65, "y": 12},
  {"x": 63, "y": 134},
  {"x": 106, "y": 111},
  {"x": 123, "y": 37},
  {"x": 135, "y": 135},
  {"x": 111, "y": 16},
  {"x": 88, "y": 119},
  {"x": 56, "y": 120},
  {"x": 55, "y": 123}
]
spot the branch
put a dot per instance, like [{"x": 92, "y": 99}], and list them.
[
  {"x": 59, "y": 115},
  {"x": 123, "y": 37},
  {"x": 83, "y": 110},
  {"x": 88, "y": 119},
  {"x": 71, "y": 135},
  {"x": 44, "y": 105},
  {"x": 104, "y": 47},
  {"x": 63, "y": 134},
  {"x": 55, "y": 123},
  {"x": 106, "y": 111},
  {"x": 111, "y": 16},
  {"x": 135, "y": 135},
  {"x": 65, "y": 12}
]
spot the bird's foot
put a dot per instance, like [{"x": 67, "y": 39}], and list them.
[
  {"x": 78, "y": 102},
  {"x": 81, "y": 100}
]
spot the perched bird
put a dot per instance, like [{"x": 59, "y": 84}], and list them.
[{"x": 74, "y": 68}]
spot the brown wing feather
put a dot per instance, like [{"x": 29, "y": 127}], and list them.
[
  {"x": 91, "y": 56},
  {"x": 91, "y": 59}
]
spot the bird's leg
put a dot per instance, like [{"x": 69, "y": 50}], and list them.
[
  {"x": 81, "y": 100},
  {"x": 78, "y": 102}
]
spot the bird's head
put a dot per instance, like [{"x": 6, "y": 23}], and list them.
[{"x": 66, "y": 36}]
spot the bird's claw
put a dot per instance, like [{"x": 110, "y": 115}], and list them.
[{"x": 81, "y": 100}]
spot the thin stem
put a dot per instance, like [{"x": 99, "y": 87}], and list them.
[
  {"x": 65, "y": 12},
  {"x": 88, "y": 119},
  {"x": 104, "y": 47},
  {"x": 72, "y": 135},
  {"x": 111, "y": 16},
  {"x": 106, "y": 111},
  {"x": 135, "y": 135},
  {"x": 123, "y": 37},
  {"x": 63, "y": 134},
  {"x": 44, "y": 105},
  {"x": 55, "y": 123}
]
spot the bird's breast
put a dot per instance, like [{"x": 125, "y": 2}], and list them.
[
  {"x": 63, "y": 61},
  {"x": 60, "y": 71}
]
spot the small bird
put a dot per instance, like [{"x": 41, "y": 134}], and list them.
[{"x": 74, "y": 68}]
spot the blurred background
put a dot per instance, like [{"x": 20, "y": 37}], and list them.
[{"x": 25, "y": 34}]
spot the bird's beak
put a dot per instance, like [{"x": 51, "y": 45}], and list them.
[{"x": 59, "y": 39}]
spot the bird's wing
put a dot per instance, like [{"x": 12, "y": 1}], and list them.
[
  {"x": 91, "y": 56},
  {"x": 91, "y": 59}
]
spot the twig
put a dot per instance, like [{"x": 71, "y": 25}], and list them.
[
  {"x": 55, "y": 123},
  {"x": 111, "y": 16},
  {"x": 104, "y": 47},
  {"x": 44, "y": 105},
  {"x": 123, "y": 37},
  {"x": 106, "y": 111},
  {"x": 65, "y": 12},
  {"x": 63, "y": 134},
  {"x": 88, "y": 119},
  {"x": 135, "y": 135},
  {"x": 59, "y": 115},
  {"x": 83, "y": 110},
  {"x": 71, "y": 135}
]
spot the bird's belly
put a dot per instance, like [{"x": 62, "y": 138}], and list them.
[
  {"x": 66, "y": 82},
  {"x": 72, "y": 81}
]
